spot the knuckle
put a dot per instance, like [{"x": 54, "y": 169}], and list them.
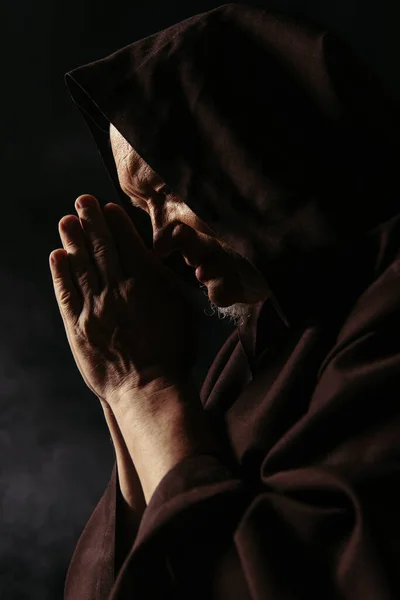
[
  {"x": 127, "y": 289},
  {"x": 83, "y": 277},
  {"x": 88, "y": 328},
  {"x": 100, "y": 249},
  {"x": 58, "y": 280},
  {"x": 80, "y": 269},
  {"x": 84, "y": 326},
  {"x": 70, "y": 245},
  {"x": 65, "y": 297}
]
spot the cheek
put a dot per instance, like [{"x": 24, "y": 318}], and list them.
[
  {"x": 225, "y": 270},
  {"x": 190, "y": 218},
  {"x": 204, "y": 228}
]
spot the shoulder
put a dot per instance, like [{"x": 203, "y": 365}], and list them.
[{"x": 375, "y": 316}]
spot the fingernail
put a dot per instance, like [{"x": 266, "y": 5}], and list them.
[
  {"x": 81, "y": 203},
  {"x": 84, "y": 202}
]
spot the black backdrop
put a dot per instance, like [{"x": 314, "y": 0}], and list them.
[{"x": 55, "y": 450}]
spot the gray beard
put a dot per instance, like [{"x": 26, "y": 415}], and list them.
[{"x": 234, "y": 313}]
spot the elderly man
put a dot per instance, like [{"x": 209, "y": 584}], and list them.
[{"x": 262, "y": 151}]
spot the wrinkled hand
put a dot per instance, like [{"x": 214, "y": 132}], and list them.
[{"x": 127, "y": 321}]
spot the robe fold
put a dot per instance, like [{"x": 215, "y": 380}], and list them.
[
  {"x": 287, "y": 146},
  {"x": 305, "y": 503}
]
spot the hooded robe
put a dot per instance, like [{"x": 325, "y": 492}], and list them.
[{"x": 279, "y": 138}]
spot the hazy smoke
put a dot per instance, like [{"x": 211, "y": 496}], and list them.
[{"x": 55, "y": 448}]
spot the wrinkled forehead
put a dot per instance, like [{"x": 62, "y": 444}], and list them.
[
  {"x": 127, "y": 160},
  {"x": 121, "y": 148}
]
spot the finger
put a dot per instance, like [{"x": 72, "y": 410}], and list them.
[
  {"x": 81, "y": 263},
  {"x": 132, "y": 251},
  {"x": 67, "y": 295},
  {"x": 101, "y": 242}
]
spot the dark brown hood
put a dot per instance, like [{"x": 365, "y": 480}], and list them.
[{"x": 269, "y": 129}]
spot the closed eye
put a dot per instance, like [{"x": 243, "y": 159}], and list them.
[{"x": 164, "y": 189}]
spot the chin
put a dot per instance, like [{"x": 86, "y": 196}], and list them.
[
  {"x": 236, "y": 313},
  {"x": 227, "y": 303}
]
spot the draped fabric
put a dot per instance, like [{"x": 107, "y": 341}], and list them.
[{"x": 286, "y": 145}]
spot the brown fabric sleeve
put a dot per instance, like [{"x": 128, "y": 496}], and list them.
[
  {"x": 324, "y": 522},
  {"x": 101, "y": 548},
  {"x": 91, "y": 570}
]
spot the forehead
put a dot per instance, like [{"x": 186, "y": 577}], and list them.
[
  {"x": 121, "y": 149},
  {"x": 128, "y": 162}
]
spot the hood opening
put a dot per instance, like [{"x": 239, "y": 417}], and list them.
[{"x": 270, "y": 130}]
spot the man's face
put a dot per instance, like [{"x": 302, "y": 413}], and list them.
[{"x": 232, "y": 282}]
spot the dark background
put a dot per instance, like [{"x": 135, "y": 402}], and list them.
[{"x": 55, "y": 450}]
